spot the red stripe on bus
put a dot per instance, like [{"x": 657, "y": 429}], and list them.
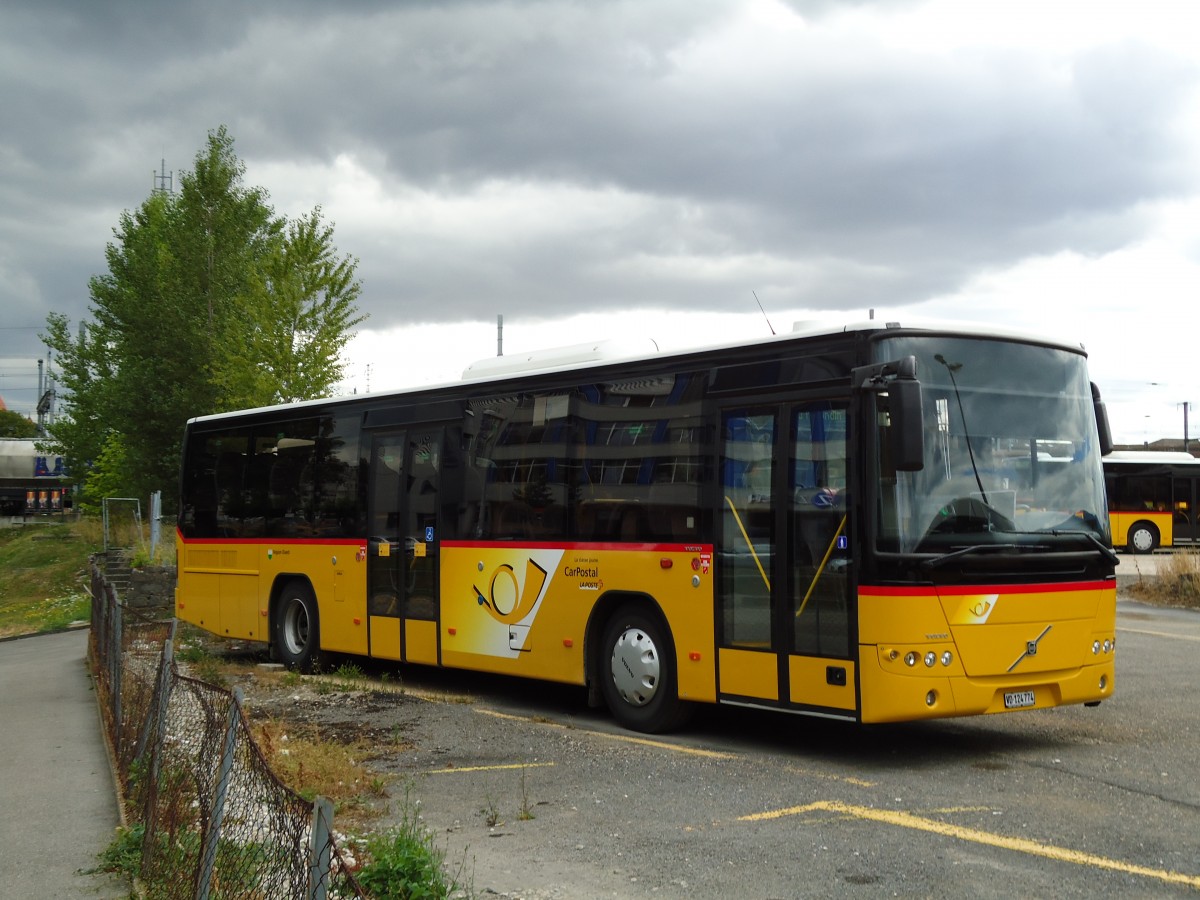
[
  {"x": 278, "y": 541},
  {"x": 478, "y": 545},
  {"x": 971, "y": 590},
  {"x": 578, "y": 545}
]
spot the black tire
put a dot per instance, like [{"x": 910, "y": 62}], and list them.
[
  {"x": 1143, "y": 537},
  {"x": 637, "y": 673},
  {"x": 296, "y": 627}
]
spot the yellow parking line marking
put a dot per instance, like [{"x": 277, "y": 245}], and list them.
[
  {"x": 1019, "y": 845},
  {"x": 1166, "y": 634},
  {"x": 628, "y": 739},
  {"x": 498, "y": 768},
  {"x": 841, "y": 779},
  {"x": 663, "y": 745}
]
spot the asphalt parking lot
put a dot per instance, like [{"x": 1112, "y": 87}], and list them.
[{"x": 535, "y": 796}]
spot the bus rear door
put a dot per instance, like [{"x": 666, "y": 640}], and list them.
[{"x": 402, "y": 547}]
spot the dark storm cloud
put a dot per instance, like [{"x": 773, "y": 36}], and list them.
[{"x": 826, "y": 169}]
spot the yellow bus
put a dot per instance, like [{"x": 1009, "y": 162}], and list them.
[
  {"x": 1152, "y": 498},
  {"x": 857, "y": 523}
]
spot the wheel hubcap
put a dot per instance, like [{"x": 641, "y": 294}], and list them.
[
  {"x": 295, "y": 628},
  {"x": 635, "y": 667}
]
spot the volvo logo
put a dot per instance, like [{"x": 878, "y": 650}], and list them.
[{"x": 1031, "y": 648}]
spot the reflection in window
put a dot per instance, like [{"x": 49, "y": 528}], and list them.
[
  {"x": 820, "y": 552},
  {"x": 291, "y": 479},
  {"x": 599, "y": 462},
  {"x": 747, "y": 529},
  {"x": 1010, "y": 450}
]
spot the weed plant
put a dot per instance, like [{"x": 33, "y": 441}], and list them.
[
  {"x": 405, "y": 862},
  {"x": 312, "y": 765},
  {"x": 1177, "y": 582}
]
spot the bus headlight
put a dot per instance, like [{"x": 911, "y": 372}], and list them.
[
  {"x": 1108, "y": 645},
  {"x": 1095, "y": 648},
  {"x": 910, "y": 659},
  {"x": 947, "y": 657},
  {"x": 930, "y": 659}
]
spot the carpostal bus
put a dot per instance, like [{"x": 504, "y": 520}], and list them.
[
  {"x": 1152, "y": 497},
  {"x": 862, "y": 524}
]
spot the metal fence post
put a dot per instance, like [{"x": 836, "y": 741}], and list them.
[
  {"x": 319, "y": 845},
  {"x": 99, "y": 623},
  {"x": 155, "y": 526},
  {"x": 116, "y": 664},
  {"x": 162, "y": 695},
  {"x": 154, "y": 733},
  {"x": 213, "y": 836}
]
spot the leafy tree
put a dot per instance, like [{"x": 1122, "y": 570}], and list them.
[
  {"x": 15, "y": 425},
  {"x": 211, "y": 302},
  {"x": 297, "y": 317}
]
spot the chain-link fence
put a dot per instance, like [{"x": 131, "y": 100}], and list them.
[{"x": 216, "y": 822}]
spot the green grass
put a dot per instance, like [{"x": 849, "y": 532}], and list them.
[{"x": 44, "y": 581}]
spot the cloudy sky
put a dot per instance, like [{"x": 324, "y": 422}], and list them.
[{"x": 604, "y": 168}]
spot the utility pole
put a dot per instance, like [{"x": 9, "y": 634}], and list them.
[{"x": 500, "y": 335}]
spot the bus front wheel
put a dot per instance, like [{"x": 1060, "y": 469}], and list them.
[
  {"x": 296, "y": 627},
  {"x": 638, "y": 676},
  {"x": 1143, "y": 537}
]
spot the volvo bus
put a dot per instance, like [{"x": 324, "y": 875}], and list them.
[
  {"x": 1152, "y": 499},
  {"x": 873, "y": 523}
]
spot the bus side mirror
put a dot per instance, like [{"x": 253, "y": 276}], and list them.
[
  {"x": 897, "y": 382},
  {"x": 908, "y": 428},
  {"x": 1102, "y": 427}
]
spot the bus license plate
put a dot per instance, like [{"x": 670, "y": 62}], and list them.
[{"x": 1019, "y": 699}]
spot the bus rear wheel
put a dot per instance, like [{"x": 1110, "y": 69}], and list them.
[
  {"x": 296, "y": 627},
  {"x": 1143, "y": 537},
  {"x": 638, "y": 678}
]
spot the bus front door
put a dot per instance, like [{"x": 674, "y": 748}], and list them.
[
  {"x": 1183, "y": 502},
  {"x": 402, "y": 592},
  {"x": 783, "y": 554}
]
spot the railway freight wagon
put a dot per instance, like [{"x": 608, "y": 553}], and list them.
[{"x": 30, "y": 480}]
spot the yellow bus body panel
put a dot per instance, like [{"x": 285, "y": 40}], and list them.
[
  {"x": 1121, "y": 521},
  {"x": 385, "y": 637},
  {"x": 749, "y": 673},
  {"x": 809, "y": 682},
  {"x": 973, "y": 648},
  {"x": 226, "y": 587},
  {"x": 420, "y": 641},
  {"x": 525, "y": 609}
]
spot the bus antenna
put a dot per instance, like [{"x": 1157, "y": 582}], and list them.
[{"x": 763, "y": 311}]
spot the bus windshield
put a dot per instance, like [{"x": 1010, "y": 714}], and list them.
[{"x": 1011, "y": 450}]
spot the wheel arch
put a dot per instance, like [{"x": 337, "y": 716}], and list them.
[
  {"x": 593, "y": 639},
  {"x": 1147, "y": 526},
  {"x": 277, "y": 586}
]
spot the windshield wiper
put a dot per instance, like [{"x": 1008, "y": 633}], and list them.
[
  {"x": 1107, "y": 552},
  {"x": 953, "y": 367},
  {"x": 938, "y": 561}
]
